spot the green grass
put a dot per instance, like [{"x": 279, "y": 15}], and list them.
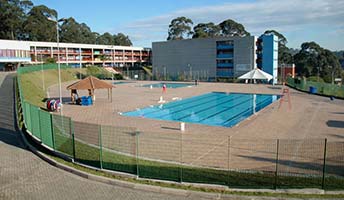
[
  {"x": 325, "y": 89},
  {"x": 187, "y": 187},
  {"x": 32, "y": 83},
  {"x": 90, "y": 155}
]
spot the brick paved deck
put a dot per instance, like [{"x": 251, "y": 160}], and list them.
[{"x": 310, "y": 117}]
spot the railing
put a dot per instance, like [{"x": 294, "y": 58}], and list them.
[
  {"x": 224, "y": 64},
  {"x": 321, "y": 88},
  {"x": 224, "y": 73},
  {"x": 241, "y": 163},
  {"x": 224, "y": 46},
  {"x": 224, "y": 55}
]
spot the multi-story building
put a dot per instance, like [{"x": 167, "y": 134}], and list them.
[
  {"x": 267, "y": 52},
  {"x": 222, "y": 57},
  {"x": 74, "y": 54}
]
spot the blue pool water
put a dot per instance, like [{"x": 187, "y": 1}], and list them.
[
  {"x": 122, "y": 82},
  {"x": 168, "y": 85},
  {"x": 214, "y": 109}
]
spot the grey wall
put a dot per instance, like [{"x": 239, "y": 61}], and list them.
[
  {"x": 174, "y": 56},
  {"x": 244, "y": 55}
]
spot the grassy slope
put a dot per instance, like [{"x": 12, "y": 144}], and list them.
[{"x": 32, "y": 84}]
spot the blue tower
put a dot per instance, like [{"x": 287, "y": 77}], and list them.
[{"x": 267, "y": 55}]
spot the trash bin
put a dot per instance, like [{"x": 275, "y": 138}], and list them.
[
  {"x": 86, "y": 100},
  {"x": 312, "y": 90}
]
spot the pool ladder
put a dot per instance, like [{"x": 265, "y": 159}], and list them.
[{"x": 285, "y": 97}]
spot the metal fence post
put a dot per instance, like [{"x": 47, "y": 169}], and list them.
[
  {"x": 276, "y": 171},
  {"x": 100, "y": 147},
  {"x": 137, "y": 153},
  {"x": 71, "y": 128},
  {"x": 39, "y": 125},
  {"x": 181, "y": 159},
  {"x": 52, "y": 130},
  {"x": 228, "y": 158},
  {"x": 324, "y": 165}
]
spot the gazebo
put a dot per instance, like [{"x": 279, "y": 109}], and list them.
[
  {"x": 256, "y": 74},
  {"x": 91, "y": 83}
]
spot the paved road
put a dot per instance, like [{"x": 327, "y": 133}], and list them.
[{"x": 25, "y": 176}]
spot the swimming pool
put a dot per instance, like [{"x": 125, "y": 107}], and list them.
[
  {"x": 214, "y": 109},
  {"x": 169, "y": 85}
]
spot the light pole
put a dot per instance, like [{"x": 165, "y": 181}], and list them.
[
  {"x": 189, "y": 65},
  {"x": 164, "y": 72},
  {"x": 332, "y": 74},
  {"x": 42, "y": 72},
  {"x": 58, "y": 52}
]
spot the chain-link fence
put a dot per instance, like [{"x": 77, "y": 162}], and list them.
[
  {"x": 317, "y": 87},
  {"x": 179, "y": 157}
]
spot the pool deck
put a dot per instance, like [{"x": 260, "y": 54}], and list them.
[
  {"x": 311, "y": 116},
  {"x": 250, "y": 145}
]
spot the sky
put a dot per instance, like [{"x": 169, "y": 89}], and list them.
[{"x": 146, "y": 21}]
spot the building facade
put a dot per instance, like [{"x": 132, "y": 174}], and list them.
[
  {"x": 267, "y": 52},
  {"x": 223, "y": 57},
  {"x": 73, "y": 54}
]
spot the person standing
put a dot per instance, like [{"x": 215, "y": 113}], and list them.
[{"x": 164, "y": 88}]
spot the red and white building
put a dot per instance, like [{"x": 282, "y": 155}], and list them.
[{"x": 77, "y": 55}]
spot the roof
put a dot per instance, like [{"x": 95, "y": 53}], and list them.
[
  {"x": 256, "y": 74},
  {"x": 90, "y": 82}
]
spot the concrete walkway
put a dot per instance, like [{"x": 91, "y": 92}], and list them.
[{"x": 25, "y": 176}]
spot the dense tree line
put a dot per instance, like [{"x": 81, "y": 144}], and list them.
[
  {"x": 310, "y": 60},
  {"x": 181, "y": 28},
  {"x": 21, "y": 20}
]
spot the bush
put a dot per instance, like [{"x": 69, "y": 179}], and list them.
[
  {"x": 315, "y": 79},
  {"x": 98, "y": 72}
]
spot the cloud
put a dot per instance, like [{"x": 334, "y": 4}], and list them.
[{"x": 258, "y": 16}]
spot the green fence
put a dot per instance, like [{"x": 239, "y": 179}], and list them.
[
  {"x": 33, "y": 68},
  {"x": 236, "y": 163},
  {"x": 321, "y": 88}
]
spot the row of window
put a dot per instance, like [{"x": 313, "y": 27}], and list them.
[{"x": 14, "y": 53}]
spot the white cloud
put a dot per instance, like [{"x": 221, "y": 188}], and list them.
[{"x": 284, "y": 16}]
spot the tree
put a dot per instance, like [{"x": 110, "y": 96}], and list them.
[
  {"x": 106, "y": 39},
  {"x": 284, "y": 53},
  {"x": 281, "y": 39},
  {"x": 12, "y": 16},
  {"x": 313, "y": 60},
  {"x": 232, "y": 28},
  {"x": 206, "y": 30},
  {"x": 38, "y": 27},
  {"x": 179, "y": 28},
  {"x": 121, "y": 40},
  {"x": 70, "y": 31}
]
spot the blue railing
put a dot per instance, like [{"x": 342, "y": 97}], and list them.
[
  {"x": 224, "y": 73},
  {"x": 225, "y": 55},
  {"x": 224, "y": 64},
  {"x": 224, "y": 46}
]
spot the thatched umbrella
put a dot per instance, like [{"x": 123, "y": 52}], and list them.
[{"x": 91, "y": 83}]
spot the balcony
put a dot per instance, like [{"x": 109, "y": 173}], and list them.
[
  {"x": 224, "y": 46},
  {"x": 224, "y": 65},
  {"x": 224, "y": 73},
  {"x": 225, "y": 55}
]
